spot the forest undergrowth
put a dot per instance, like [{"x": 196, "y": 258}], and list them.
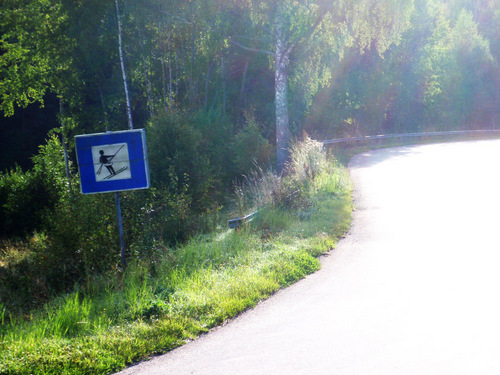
[{"x": 162, "y": 301}]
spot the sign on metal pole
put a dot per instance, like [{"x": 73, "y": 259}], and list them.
[{"x": 112, "y": 161}]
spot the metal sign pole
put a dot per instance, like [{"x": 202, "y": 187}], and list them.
[
  {"x": 120, "y": 230},
  {"x": 112, "y": 162}
]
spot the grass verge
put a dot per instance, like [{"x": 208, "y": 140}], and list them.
[{"x": 159, "y": 304}]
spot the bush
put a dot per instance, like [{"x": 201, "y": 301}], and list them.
[
  {"x": 25, "y": 197},
  {"x": 178, "y": 152},
  {"x": 249, "y": 148},
  {"x": 19, "y": 203},
  {"x": 156, "y": 217}
]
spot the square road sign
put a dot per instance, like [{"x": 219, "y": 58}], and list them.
[{"x": 112, "y": 161}]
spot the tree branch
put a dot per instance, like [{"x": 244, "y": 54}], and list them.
[
  {"x": 232, "y": 41},
  {"x": 313, "y": 28}
]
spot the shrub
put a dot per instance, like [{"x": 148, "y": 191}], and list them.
[
  {"x": 249, "y": 148},
  {"x": 19, "y": 203},
  {"x": 25, "y": 197},
  {"x": 156, "y": 217},
  {"x": 177, "y": 151}
]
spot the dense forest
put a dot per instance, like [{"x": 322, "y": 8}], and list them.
[
  {"x": 339, "y": 68},
  {"x": 221, "y": 87}
]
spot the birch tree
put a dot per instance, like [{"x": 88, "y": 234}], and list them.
[
  {"x": 122, "y": 64},
  {"x": 280, "y": 26}
]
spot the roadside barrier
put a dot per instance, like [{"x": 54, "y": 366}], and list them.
[
  {"x": 237, "y": 222},
  {"x": 410, "y": 135}
]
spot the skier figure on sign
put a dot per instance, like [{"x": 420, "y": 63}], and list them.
[{"x": 106, "y": 161}]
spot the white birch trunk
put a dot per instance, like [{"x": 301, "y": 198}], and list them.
[
  {"x": 282, "y": 53},
  {"x": 124, "y": 74}
]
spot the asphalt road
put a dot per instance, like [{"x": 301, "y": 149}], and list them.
[{"x": 412, "y": 289}]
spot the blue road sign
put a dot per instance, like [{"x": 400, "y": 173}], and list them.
[{"x": 112, "y": 161}]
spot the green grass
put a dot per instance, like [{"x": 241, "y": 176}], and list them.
[{"x": 157, "y": 305}]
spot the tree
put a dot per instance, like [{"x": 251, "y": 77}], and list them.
[
  {"x": 122, "y": 64},
  {"x": 280, "y": 26},
  {"x": 455, "y": 67},
  {"x": 35, "y": 52}
]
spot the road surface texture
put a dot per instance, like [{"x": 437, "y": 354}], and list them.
[{"x": 414, "y": 288}]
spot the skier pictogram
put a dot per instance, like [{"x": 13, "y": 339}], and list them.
[
  {"x": 106, "y": 161},
  {"x": 111, "y": 162}
]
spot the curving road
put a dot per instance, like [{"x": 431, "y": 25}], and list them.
[{"x": 413, "y": 289}]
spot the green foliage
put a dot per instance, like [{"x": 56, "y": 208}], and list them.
[
  {"x": 292, "y": 266},
  {"x": 256, "y": 191},
  {"x": 33, "y": 47},
  {"x": 227, "y": 249},
  {"x": 157, "y": 217},
  {"x": 250, "y": 148},
  {"x": 451, "y": 85},
  {"x": 356, "y": 68},
  {"x": 439, "y": 76},
  {"x": 25, "y": 197},
  {"x": 67, "y": 317},
  {"x": 177, "y": 155},
  {"x": 308, "y": 162},
  {"x": 82, "y": 238},
  {"x": 16, "y": 213},
  {"x": 159, "y": 302}
]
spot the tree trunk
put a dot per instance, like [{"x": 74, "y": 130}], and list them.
[
  {"x": 146, "y": 75},
  {"x": 124, "y": 75},
  {"x": 170, "y": 81},
  {"x": 282, "y": 53},
  {"x": 163, "y": 81},
  {"x": 65, "y": 145},
  {"x": 105, "y": 113},
  {"x": 223, "y": 74},
  {"x": 207, "y": 84},
  {"x": 243, "y": 81}
]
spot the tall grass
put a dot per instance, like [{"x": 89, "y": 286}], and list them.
[
  {"x": 309, "y": 168},
  {"x": 257, "y": 190},
  {"x": 159, "y": 303}
]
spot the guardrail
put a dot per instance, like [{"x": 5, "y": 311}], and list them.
[
  {"x": 237, "y": 222},
  {"x": 409, "y": 135}
]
